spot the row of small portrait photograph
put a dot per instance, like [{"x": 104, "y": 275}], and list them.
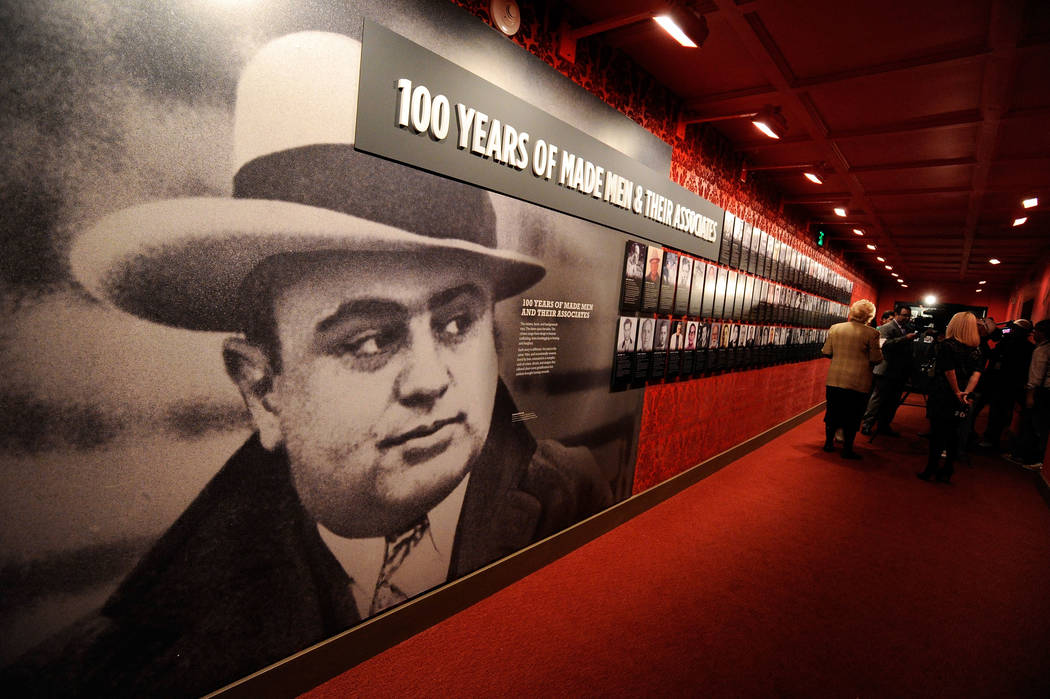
[
  {"x": 676, "y": 283},
  {"x": 747, "y": 248},
  {"x": 650, "y": 349}
]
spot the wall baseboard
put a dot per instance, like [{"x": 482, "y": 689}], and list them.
[{"x": 317, "y": 664}]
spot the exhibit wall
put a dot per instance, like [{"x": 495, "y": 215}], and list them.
[
  {"x": 681, "y": 425},
  {"x": 302, "y": 321}
]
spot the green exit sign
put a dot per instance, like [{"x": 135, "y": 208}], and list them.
[{"x": 820, "y": 238}]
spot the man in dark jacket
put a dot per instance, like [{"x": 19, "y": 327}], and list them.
[
  {"x": 1004, "y": 384},
  {"x": 891, "y": 374}
]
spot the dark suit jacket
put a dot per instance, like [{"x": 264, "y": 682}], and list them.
[
  {"x": 242, "y": 578},
  {"x": 896, "y": 352}
]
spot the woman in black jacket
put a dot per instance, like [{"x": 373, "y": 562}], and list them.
[{"x": 958, "y": 369}]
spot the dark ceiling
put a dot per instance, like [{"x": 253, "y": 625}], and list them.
[{"x": 932, "y": 117}]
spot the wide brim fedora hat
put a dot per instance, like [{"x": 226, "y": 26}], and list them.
[{"x": 299, "y": 187}]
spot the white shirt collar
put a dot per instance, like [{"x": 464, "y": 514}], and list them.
[{"x": 426, "y": 565}]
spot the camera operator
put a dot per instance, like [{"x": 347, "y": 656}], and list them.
[{"x": 892, "y": 373}]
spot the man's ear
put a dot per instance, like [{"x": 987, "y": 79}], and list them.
[{"x": 250, "y": 370}]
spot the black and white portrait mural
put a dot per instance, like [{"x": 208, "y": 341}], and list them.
[{"x": 260, "y": 385}]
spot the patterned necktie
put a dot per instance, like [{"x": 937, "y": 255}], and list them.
[{"x": 398, "y": 547}]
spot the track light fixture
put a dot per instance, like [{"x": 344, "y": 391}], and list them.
[
  {"x": 686, "y": 25},
  {"x": 814, "y": 172},
  {"x": 769, "y": 120}
]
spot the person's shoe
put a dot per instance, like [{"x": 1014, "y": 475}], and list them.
[
  {"x": 944, "y": 478},
  {"x": 828, "y": 446},
  {"x": 889, "y": 432},
  {"x": 866, "y": 430},
  {"x": 851, "y": 455},
  {"x": 924, "y": 475},
  {"x": 1033, "y": 467}
]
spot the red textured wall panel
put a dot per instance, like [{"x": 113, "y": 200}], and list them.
[{"x": 686, "y": 422}]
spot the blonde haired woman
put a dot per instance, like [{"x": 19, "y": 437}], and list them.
[
  {"x": 853, "y": 348},
  {"x": 958, "y": 369}
]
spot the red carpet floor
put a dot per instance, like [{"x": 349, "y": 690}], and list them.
[{"x": 790, "y": 572}]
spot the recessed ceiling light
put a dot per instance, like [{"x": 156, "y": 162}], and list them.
[
  {"x": 881, "y": 259},
  {"x": 888, "y": 267},
  {"x": 870, "y": 246},
  {"x": 894, "y": 274},
  {"x": 904, "y": 286},
  {"x": 1029, "y": 203},
  {"x": 983, "y": 281},
  {"x": 929, "y": 300},
  {"x": 839, "y": 211},
  {"x": 813, "y": 177},
  {"x": 858, "y": 231},
  {"x": 993, "y": 261},
  {"x": 978, "y": 290},
  {"x": 1019, "y": 221}
]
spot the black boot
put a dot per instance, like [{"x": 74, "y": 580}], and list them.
[
  {"x": 829, "y": 437},
  {"x": 847, "y": 446},
  {"x": 944, "y": 475}
]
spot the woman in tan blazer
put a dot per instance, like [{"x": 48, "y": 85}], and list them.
[{"x": 853, "y": 348}]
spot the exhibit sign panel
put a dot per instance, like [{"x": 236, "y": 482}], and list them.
[{"x": 418, "y": 108}]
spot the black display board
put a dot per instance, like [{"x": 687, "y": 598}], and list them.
[
  {"x": 668, "y": 282},
  {"x": 633, "y": 273},
  {"x": 653, "y": 276},
  {"x": 684, "y": 284}
]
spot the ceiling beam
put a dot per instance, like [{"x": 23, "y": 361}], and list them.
[
  {"x": 944, "y": 240},
  {"x": 729, "y": 96},
  {"x": 945, "y": 54},
  {"x": 946, "y": 120},
  {"x": 830, "y": 198},
  {"x": 914, "y": 164},
  {"x": 1004, "y": 32},
  {"x": 917, "y": 191}
]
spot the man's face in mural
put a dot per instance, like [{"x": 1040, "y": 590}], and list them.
[{"x": 385, "y": 391}]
